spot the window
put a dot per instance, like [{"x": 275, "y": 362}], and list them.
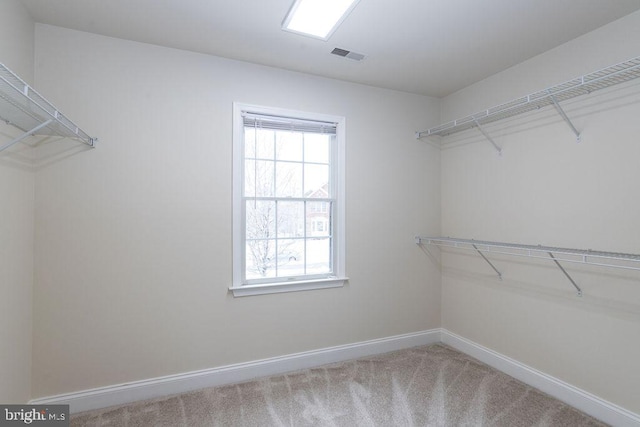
[{"x": 288, "y": 200}]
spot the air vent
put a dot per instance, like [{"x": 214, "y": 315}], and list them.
[
  {"x": 348, "y": 54},
  {"x": 340, "y": 52}
]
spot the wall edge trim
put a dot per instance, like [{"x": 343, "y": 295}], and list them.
[
  {"x": 103, "y": 397},
  {"x": 113, "y": 395},
  {"x": 586, "y": 402}
]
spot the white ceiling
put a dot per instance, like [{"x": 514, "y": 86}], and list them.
[{"x": 430, "y": 47}]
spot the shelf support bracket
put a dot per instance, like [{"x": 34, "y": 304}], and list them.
[
  {"x": 564, "y": 116},
  {"x": 566, "y": 274},
  {"x": 488, "y": 262},
  {"x": 26, "y": 134},
  {"x": 486, "y": 135}
]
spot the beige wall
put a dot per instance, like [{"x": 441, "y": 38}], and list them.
[
  {"x": 134, "y": 238},
  {"x": 16, "y": 225},
  {"x": 547, "y": 189},
  {"x": 16, "y": 41}
]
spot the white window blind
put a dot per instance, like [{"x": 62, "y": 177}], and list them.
[{"x": 287, "y": 123}]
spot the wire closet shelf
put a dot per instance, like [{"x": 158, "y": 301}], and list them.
[
  {"x": 548, "y": 253},
  {"x": 24, "y": 108},
  {"x": 583, "y": 85}
]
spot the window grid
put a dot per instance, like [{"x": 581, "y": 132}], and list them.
[
  {"x": 287, "y": 197},
  {"x": 277, "y": 163}
]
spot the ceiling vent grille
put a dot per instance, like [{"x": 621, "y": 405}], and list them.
[{"x": 347, "y": 54}]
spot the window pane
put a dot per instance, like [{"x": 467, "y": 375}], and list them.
[
  {"x": 261, "y": 219},
  {"x": 249, "y": 178},
  {"x": 316, "y": 147},
  {"x": 316, "y": 179},
  {"x": 290, "y": 258},
  {"x": 290, "y": 219},
  {"x": 290, "y": 198},
  {"x": 265, "y": 144},
  {"x": 249, "y": 142},
  {"x": 318, "y": 219},
  {"x": 263, "y": 179},
  {"x": 318, "y": 256},
  {"x": 289, "y": 146},
  {"x": 260, "y": 259},
  {"x": 288, "y": 179}
]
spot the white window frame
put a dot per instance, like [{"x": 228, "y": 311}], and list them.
[{"x": 337, "y": 167}]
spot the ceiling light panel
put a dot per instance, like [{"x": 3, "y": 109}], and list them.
[{"x": 317, "y": 18}]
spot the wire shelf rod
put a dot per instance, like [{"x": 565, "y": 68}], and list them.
[
  {"x": 24, "y": 108},
  {"x": 615, "y": 74},
  {"x": 554, "y": 254},
  {"x": 579, "y": 256}
]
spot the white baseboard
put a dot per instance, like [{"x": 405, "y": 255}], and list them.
[
  {"x": 580, "y": 399},
  {"x": 174, "y": 384}
]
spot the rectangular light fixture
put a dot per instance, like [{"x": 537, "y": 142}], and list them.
[{"x": 317, "y": 18}]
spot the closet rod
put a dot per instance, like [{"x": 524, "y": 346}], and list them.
[
  {"x": 24, "y": 108},
  {"x": 583, "y": 85},
  {"x": 581, "y": 256},
  {"x": 549, "y": 253}
]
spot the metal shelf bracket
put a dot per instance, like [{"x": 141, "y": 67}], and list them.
[
  {"x": 566, "y": 274},
  {"x": 564, "y": 116},
  {"x": 24, "y": 135},
  {"x": 488, "y": 262},
  {"x": 486, "y": 135}
]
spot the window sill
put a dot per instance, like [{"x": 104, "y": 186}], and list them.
[{"x": 275, "y": 288}]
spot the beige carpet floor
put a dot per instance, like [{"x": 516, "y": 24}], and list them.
[{"x": 424, "y": 386}]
